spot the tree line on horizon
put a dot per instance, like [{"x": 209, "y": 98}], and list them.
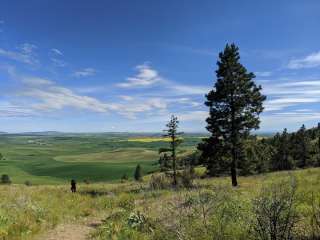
[{"x": 235, "y": 104}]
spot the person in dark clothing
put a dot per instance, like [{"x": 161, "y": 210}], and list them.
[{"x": 73, "y": 186}]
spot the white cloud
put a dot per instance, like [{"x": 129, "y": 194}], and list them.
[
  {"x": 149, "y": 77},
  {"x": 294, "y": 119},
  {"x": 37, "y": 82},
  {"x": 56, "y": 51},
  {"x": 27, "y": 48},
  {"x": 58, "y": 62},
  {"x": 10, "y": 110},
  {"x": 25, "y": 54},
  {"x": 281, "y": 95},
  {"x": 310, "y": 61},
  {"x": 149, "y": 105},
  {"x": 263, "y": 74},
  {"x": 193, "y": 116},
  {"x": 86, "y": 72},
  {"x": 281, "y": 103},
  {"x": 48, "y": 96},
  {"x": 126, "y": 98},
  {"x": 55, "y": 56},
  {"x": 41, "y": 95},
  {"x": 145, "y": 77},
  {"x": 188, "y": 89}
]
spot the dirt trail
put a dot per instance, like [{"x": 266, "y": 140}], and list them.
[{"x": 70, "y": 231}]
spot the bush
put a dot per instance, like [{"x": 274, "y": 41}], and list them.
[
  {"x": 136, "y": 220},
  {"x": 275, "y": 212},
  {"x": 126, "y": 202},
  {"x": 315, "y": 219},
  {"x": 160, "y": 181},
  {"x": 124, "y": 178},
  {"x": 138, "y": 173},
  {"x": 5, "y": 179},
  {"x": 217, "y": 214},
  {"x": 28, "y": 183},
  {"x": 185, "y": 179}
]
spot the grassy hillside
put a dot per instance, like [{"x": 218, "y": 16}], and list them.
[
  {"x": 134, "y": 211},
  {"x": 56, "y": 158}
]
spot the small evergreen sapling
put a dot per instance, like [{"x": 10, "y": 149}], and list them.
[{"x": 138, "y": 173}]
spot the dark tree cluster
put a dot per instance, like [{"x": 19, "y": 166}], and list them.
[
  {"x": 283, "y": 151},
  {"x": 299, "y": 149}
]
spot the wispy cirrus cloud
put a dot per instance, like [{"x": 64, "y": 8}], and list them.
[
  {"x": 280, "y": 120},
  {"x": 27, "y": 48},
  {"x": 290, "y": 93},
  {"x": 310, "y": 61},
  {"x": 25, "y": 53},
  {"x": 8, "y": 110},
  {"x": 55, "y": 56},
  {"x": 188, "y": 89},
  {"x": 56, "y": 51},
  {"x": 86, "y": 72},
  {"x": 263, "y": 74},
  {"x": 38, "y": 96},
  {"x": 48, "y": 96},
  {"x": 126, "y": 97}
]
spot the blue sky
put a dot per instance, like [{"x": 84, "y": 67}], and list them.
[{"x": 92, "y": 66}]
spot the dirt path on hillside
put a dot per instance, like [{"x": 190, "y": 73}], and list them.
[{"x": 71, "y": 231}]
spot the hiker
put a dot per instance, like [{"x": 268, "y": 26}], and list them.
[{"x": 73, "y": 186}]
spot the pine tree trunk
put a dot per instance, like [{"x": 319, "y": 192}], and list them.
[
  {"x": 234, "y": 150},
  {"x": 174, "y": 163},
  {"x": 233, "y": 168}
]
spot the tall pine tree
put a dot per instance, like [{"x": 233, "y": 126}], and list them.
[
  {"x": 234, "y": 104},
  {"x": 174, "y": 140}
]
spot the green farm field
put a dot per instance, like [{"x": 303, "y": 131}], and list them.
[{"x": 57, "y": 158}]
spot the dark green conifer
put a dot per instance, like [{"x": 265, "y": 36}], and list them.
[{"x": 234, "y": 104}]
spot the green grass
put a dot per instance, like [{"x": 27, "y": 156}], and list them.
[
  {"x": 26, "y": 211},
  {"x": 121, "y": 156},
  {"x": 93, "y": 157}
]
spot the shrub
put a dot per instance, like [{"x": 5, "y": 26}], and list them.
[
  {"x": 126, "y": 201},
  {"x": 28, "y": 183},
  {"x": 185, "y": 179},
  {"x": 5, "y": 179},
  {"x": 275, "y": 212},
  {"x": 4, "y": 222},
  {"x": 124, "y": 178},
  {"x": 160, "y": 181},
  {"x": 136, "y": 220},
  {"x": 315, "y": 218},
  {"x": 217, "y": 214},
  {"x": 138, "y": 173}
]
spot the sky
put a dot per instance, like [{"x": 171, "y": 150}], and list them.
[{"x": 107, "y": 65}]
